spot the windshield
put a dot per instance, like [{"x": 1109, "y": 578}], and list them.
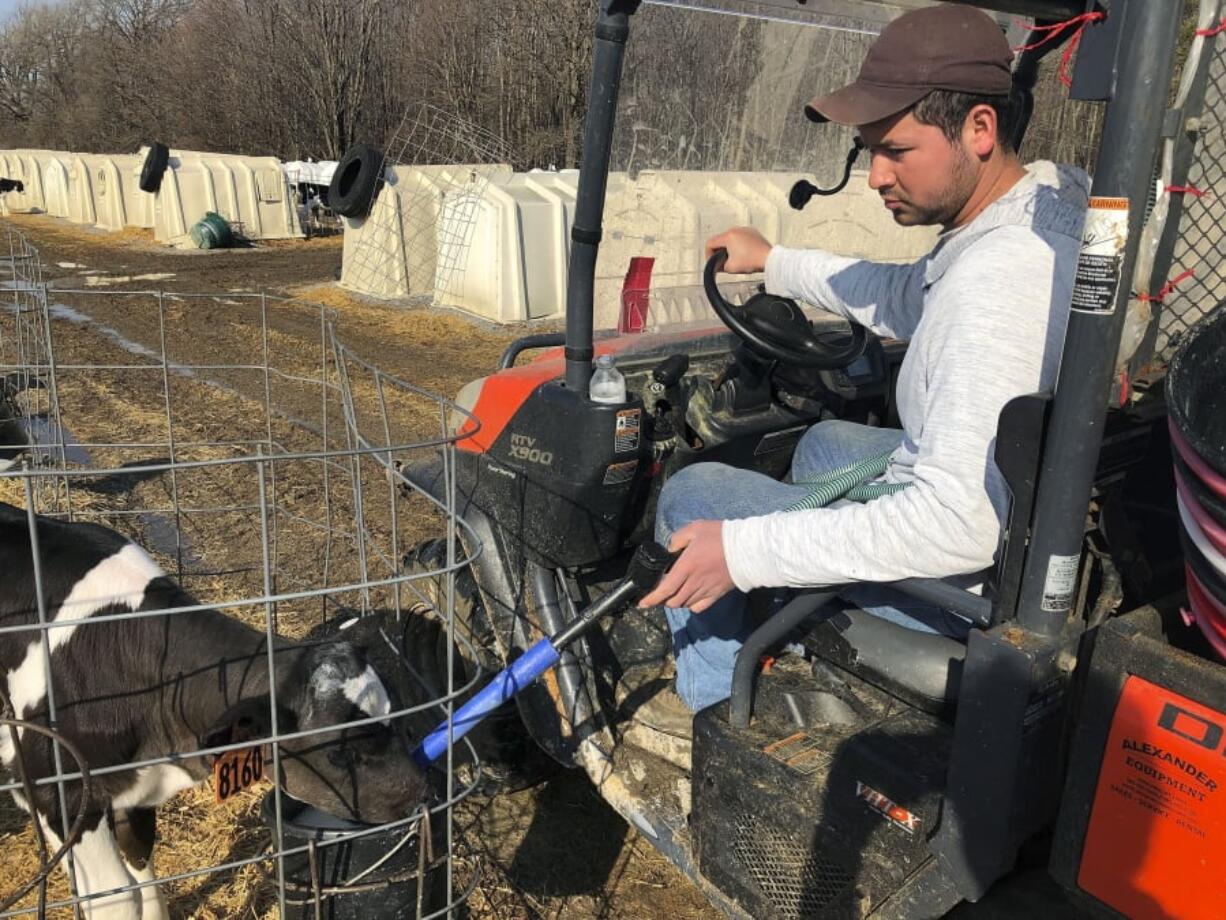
[{"x": 710, "y": 134}]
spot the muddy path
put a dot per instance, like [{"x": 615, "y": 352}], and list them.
[{"x": 432, "y": 350}]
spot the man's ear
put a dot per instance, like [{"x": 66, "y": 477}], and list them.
[
  {"x": 981, "y": 128},
  {"x": 247, "y": 720}
]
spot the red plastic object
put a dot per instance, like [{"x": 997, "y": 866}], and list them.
[
  {"x": 1203, "y": 471},
  {"x": 636, "y": 295},
  {"x": 1210, "y": 616},
  {"x": 1213, "y": 531}
]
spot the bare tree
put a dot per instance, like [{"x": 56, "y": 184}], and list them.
[
  {"x": 37, "y": 49},
  {"x": 300, "y": 78}
]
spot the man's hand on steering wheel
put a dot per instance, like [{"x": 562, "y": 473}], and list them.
[
  {"x": 747, "y": 250},
  {"x": 772, "y": 326}
]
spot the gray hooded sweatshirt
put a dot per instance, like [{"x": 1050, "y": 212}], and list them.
[{"x": 985, "y": 313}]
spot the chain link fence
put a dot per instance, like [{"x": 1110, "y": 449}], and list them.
[{"x": 1200, "y": 246}]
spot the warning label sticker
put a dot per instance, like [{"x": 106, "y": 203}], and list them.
[
  {"x": 800, "y": 752},
  {"x": 1101, "y": 260},
  {"x": 1159, "y": 812},
  {"x": 1060, "y": 583},
  {"x": 626, "y": 435},
  {"x": 620, "y": 472}
]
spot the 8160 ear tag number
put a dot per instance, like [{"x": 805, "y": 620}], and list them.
[{"x": 234, "y": 771}]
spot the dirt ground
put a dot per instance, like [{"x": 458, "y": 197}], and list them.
[{"x": 556, "y": 851}]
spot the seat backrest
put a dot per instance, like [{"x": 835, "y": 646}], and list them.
[
  {"x": 1020, "y": 435},
  {"x": 1019, "y": 448}
]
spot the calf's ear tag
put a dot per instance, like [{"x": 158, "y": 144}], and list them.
[{"x": 237, "y": 770}]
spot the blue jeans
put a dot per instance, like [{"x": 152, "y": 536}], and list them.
[{"x": 706, "y": 644}]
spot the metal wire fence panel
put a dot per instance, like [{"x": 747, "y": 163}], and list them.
[
  {"x": 264, "y": 478},
  {"x": 435, "y": 171},
  {"x": 28, "y": 404},
  {"x": 1201, "y": 244}
]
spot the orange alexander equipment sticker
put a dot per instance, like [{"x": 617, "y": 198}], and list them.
[{"x": 1157, "y": 831}]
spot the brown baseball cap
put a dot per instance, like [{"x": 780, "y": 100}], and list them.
[{"x": 947, "y": 47}]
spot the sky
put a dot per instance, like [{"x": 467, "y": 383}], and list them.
[{"x": 8, "y": 7}]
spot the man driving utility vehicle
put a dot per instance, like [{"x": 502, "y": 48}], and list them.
[{"x": 984, "y": 312}]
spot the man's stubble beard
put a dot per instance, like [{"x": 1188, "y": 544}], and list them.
[{"x": 950, "y": 202}]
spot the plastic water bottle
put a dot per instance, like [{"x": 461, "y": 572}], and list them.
[{"x": 608, "y": 385}]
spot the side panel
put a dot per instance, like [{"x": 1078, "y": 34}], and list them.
[
  {"x": 822, "y": 822},
  {"x": 1142, "y": 824},
  {"x": 1160, "y": 808}
]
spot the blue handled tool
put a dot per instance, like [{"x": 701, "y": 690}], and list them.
[{"x": 650, "y": 562}]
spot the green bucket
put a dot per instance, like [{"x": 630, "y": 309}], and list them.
[{"x": 212, "y": 232}]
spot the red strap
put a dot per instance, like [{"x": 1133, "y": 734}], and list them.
[
  {"x": 1186, "y": 190},
  {"x": 1055, "y": 31},
  {"x": 1166, "y": 289},
  {"x": 1213, "y": 30}
]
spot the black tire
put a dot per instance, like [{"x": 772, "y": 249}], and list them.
[
  {"x": 156, "y": 161},
  {"x": 472, "y": 622},
  {"x": 357, "y": 176},
  {"x": 511, "y": 759}
]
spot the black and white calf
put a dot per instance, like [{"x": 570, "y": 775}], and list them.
[{"x": 130, "y": 690}]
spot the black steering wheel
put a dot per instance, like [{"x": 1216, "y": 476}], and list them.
[{"x": 775, "y": 327}]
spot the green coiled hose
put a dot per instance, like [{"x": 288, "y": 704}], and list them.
[{"x": 848, "y": 482}]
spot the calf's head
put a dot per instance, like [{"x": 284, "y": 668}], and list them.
[{"x": 360, "y": 772}]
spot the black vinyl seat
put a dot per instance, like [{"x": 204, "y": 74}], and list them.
[{"x": 923, "y": 668}]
